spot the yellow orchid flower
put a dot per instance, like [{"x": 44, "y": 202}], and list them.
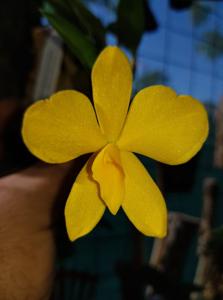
[{"x": 159, "y": 124}]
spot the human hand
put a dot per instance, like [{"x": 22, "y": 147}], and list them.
[{"x": 27, "y": 246}]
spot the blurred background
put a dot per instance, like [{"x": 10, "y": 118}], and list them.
[{"x": 51, "y": 45}]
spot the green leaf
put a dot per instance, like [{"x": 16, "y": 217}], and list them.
[
  {"x": 79, "y": 44},
  {"x": 88, "y": 22},
  {"x": 58, "y": 5},
  {"x": 80, "y": 16},
  {"x": 134, "y": 18}
]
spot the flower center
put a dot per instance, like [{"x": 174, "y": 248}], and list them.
[{"x": 108, "y": 172}]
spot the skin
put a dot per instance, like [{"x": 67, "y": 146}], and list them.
[{"x": 31, "y": 201}]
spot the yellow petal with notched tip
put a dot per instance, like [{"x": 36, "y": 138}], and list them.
[
  {"x": 143, "y": 203},
  {"x": 164, "y": 126},
  {"x": 112, "y": 86},
  {"x": 107, "y": 171},
  {"x": 84, "y": 208},
  {"x": 61, "y": 128}
]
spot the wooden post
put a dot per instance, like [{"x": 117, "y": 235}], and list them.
[
  {"x": 209, "y": 195},
  {"x": 169, "y": 254},
  {"x": 218, "y": 150}
]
